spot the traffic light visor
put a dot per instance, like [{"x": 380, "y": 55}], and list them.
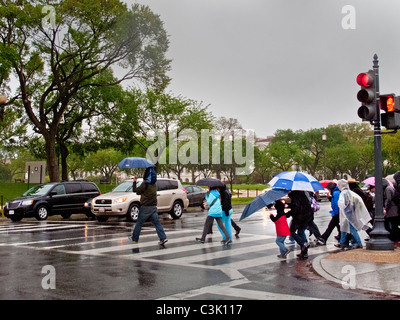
[{"x": 365, "y": 79}]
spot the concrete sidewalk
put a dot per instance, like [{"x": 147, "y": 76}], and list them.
[{"x": 370, "y": 270}]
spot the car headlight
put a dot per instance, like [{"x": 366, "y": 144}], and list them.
[
  {"x": 27, "y": 202},
  {"x": 119, "y": 200}
]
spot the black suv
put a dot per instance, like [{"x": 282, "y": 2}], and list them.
[{"x": 44, "y": 200}]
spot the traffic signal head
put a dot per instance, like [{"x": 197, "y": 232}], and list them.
[
  {"x": 391, "y": 105},
  {"x": 367, "y": 96},
  {"x": 389, "y": 102}
]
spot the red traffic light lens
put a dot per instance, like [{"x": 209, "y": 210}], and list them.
[{"x": 365, "y": 79}]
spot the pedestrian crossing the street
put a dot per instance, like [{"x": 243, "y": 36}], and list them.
[{"x": 108, "y": 240}]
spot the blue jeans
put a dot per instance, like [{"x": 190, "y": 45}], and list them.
[
  {"x": 280, "y": 241},
  {"x": 146, "y": 212},
  {"x": 354, "y": 234},
  {"x": 299, "y": 236}
]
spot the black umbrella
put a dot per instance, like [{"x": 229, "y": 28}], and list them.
[
  {"x": 262, "y": 201},
  {"x": 210, "y": 182}
]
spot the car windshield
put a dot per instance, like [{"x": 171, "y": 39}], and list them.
[
  {"x": 39, "y": 190},
  {"x": 125, "y": 186}
]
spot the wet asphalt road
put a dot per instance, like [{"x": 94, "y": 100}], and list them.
[{"x": 81, "y": 259}]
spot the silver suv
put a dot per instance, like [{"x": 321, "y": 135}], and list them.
[{"x": 121, "y": 201}]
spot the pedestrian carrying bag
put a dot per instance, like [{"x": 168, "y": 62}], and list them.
[{"x": 314, "y": 204}]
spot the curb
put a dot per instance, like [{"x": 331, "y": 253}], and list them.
[{"x": 317, "y": 267}]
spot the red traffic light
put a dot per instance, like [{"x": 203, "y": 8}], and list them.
[{"x": 365, "y": 79}]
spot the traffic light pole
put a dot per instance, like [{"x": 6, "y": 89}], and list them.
[{"x": 379, "y": 237}]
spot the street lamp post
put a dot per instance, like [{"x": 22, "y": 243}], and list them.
[{"x": 324, "y": 143}]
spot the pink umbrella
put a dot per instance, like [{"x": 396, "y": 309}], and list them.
[{"x": 371, "y": 181}]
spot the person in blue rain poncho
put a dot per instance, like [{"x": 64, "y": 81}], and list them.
[{"x": 214, "y": 213}]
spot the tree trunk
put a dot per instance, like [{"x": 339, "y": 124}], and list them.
[
  {"x": 52, "y": 163},
  {"x": 64, "y": 154}
]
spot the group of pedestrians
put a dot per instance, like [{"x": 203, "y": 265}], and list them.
[
  {"x": 218, "y": 199},
  {"x": 352, "y": 211}
]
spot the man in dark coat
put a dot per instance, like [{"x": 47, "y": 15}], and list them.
[{"x": 302, "y": 215}]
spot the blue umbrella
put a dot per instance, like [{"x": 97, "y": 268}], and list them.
[
  {"x": 262, "y": 201},
  {"x": 135, "y": 162},
  {"x": 295, "y": 180}
]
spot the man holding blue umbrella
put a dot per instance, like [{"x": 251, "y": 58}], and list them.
[{"x": 148, "y": 200}]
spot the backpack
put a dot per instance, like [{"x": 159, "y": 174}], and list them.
[
  {"x": 150, "y": 176},
  {"x": 314, "y": 204}
]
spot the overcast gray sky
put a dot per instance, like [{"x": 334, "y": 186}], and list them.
[{"x": 279, "y": 64}]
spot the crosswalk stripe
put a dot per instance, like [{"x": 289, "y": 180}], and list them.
[
  {"x": 40, "y": 228},
  {"x": 250, "y": 250}
]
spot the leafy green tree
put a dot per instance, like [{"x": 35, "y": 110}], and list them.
[
  {"x": 83, "y": 39},
  {"x": 104, "y": 161}
]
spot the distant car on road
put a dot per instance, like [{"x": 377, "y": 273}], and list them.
[
  {"x": 122, "y": 201},
  {"x": 323, "y": 194},
  {"x": 52, "y": 198},
  {"x": 196, "y": 196}
]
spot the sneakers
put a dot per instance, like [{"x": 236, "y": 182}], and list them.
[
  {"x": 226, "y": 242},
  {"x": 284, "y": 256},
  {"x": 163, "y": 241}
]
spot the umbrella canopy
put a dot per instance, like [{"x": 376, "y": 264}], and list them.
[
  {"x": 324, "y": 183},
  {"x": 390, "y": 178},
  {"x": 295, "y": 180},
  {"x": 371, "y": 181},
  {"x": 262, "y": 201},
  {"x": 135, "y": 162},
  {"x": 210, "y": 182}
]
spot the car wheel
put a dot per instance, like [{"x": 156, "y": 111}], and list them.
[
  {"x": 65, "y": 215},
  {"x": 203, "y": 204},
  {"x": 133, "y": 212},
  {"x": 177, "y": 210},
  {"x": 42, "y": 212}
]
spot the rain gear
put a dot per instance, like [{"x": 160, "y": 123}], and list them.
[
  {"x": 352, "y": 211},
  {"x": 227, "y": 212},
  {"x": 215, "y": 209},
  {"x": 388, "y": 193}
]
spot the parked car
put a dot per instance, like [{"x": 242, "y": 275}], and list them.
[
  {"x": 121, "y": 201},
  {"x": 323, "y": 194},
  {"x": 196, "y": 196},
  {"x": 52, "y": 198}
]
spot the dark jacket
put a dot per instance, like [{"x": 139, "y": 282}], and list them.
[
  {"x": 226, "y": 200},
  {"x": 388, "y": 193},
  {"x": 147, "y": 192},
  {"x": 300, "y": 209}
]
